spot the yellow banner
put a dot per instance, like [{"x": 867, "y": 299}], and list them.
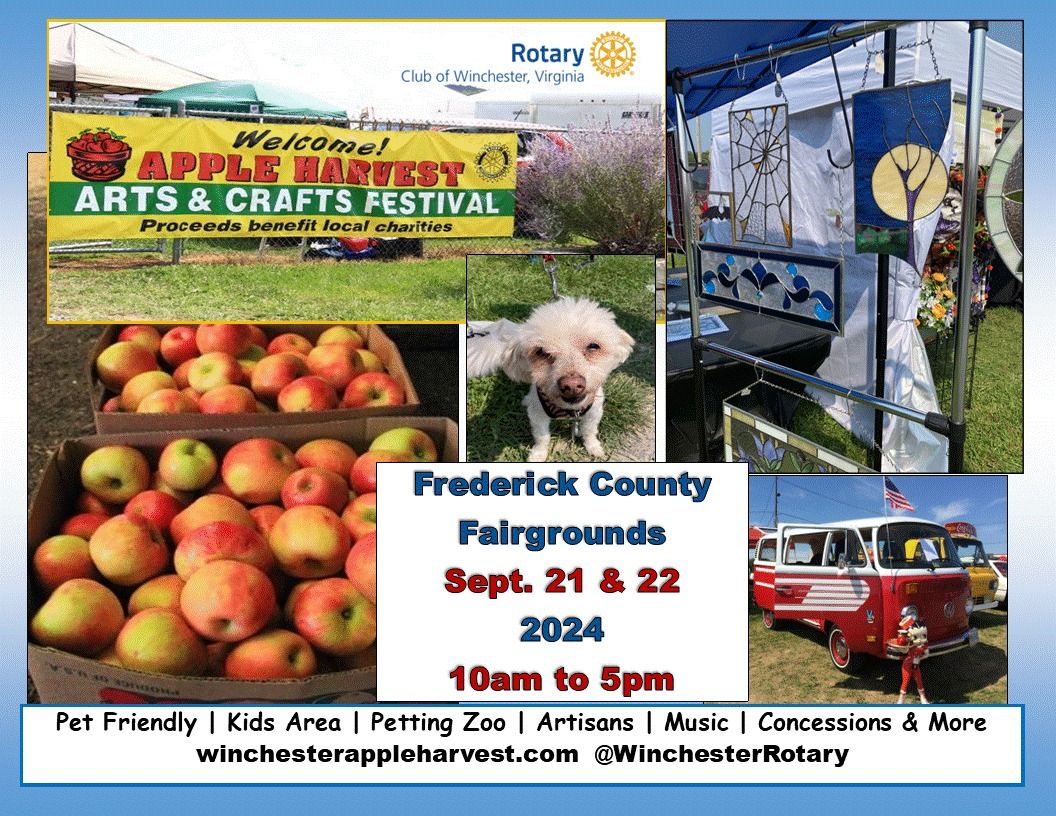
[{"x": 130, "y": 176}]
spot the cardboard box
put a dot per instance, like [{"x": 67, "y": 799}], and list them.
[
  {"x": 61, "y": 677},
  {"x": 377, "y": 342}
]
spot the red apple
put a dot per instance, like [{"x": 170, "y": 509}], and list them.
[
  {"x": 257, "y": 336},
  {"x": 146, "y": 336},
  {"x": 342, "y": 335},
  {"x": 115, "y": 473},
  {"x": 370, "y": 360},
  {"x": 227, "y": 600},
  {"x": 364, "y": 474},
  {"x": 307, "y": 394},
  {"x": 89, "y": 503},
  {"x": 207, "y": 509},
  {"x": 275, "y": 372},
  {"x": 61, "y": 558},
  {"x": 373, "y": 389},
  {"x": 82, "y": 617},
  {"x": 181, "y": 375},
  {"x": 128, "y": 550},
  {"x": 417, "y": 445},
  {"x": 334, "y": 617},
  {"x": 361, "y": 515},
  {"x": 187, "y": 464},
  {"x": 162, "y": 592},
  {"x": 221, "y": 540},
  {"x": 273, "y": 655},
  {"x": 265, "y": 516},
  {"x": 178, "y": 345},
  {"x": 336, "y": 363},
  {"x": 213, "y": 370},
  {"x": 184, "y": 497},
  {"x": 156, "y": 506},
  {"x": 255, "y": 469},
  {"x": 83, "y": 525},
  {"x": 112, "y": 405},
  {"x": 119, "y": 363},
  {"x": 143, "y": 384},
  {"x": 159, "y": 640},
  {"x": 228, "y": 399},
  {"x": 230, "y": 338},
  {"x": 167, "y": 401},
  {"x": 330, "y": 454},
  {"x": 315, "y": 486},
  {"x": 361, "y": 566},
  {"x": 295, "y": 343},
  {"x": 310, "y": 541}
]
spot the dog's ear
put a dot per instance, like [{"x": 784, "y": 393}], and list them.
[
  {"x": 515, "y": 359},
  {"x": 624, "y": 346}
]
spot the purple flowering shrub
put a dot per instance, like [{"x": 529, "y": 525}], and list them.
[{"x": 606, "y": 186}]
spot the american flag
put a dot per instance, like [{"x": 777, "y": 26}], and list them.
[{"x": 894, "y": 497}]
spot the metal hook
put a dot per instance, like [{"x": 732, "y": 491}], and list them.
[
  {"x": 742, "y": 73},
  {"x": 843, "y": 107}
]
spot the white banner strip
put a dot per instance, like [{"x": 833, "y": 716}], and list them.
[{"x": 509, "y": 744}]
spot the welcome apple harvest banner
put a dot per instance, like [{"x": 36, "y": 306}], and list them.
[{"x": 121, "y": 177}]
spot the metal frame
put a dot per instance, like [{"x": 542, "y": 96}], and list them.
[{"x": 954, "y": 426}]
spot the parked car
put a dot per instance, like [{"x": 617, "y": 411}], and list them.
[
  {"x": 851, "y": 580},
  {"x": 1000, "y": 565}
]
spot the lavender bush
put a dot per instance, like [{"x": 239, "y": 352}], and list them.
[{"x": 606, "y": 186}]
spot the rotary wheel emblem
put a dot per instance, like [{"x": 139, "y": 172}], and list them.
[
  {"x": 493, "y": 162},
  {"x": 612, "y": 54}
]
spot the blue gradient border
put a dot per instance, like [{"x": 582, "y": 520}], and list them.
[{"x": 1031, "y": 505}]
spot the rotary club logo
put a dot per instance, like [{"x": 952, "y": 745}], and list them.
[
  {"x": 612, "y": 54},
  {"x": 493, "y": 162}
]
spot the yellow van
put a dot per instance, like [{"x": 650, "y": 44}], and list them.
[{"x": 973, "y": 556}]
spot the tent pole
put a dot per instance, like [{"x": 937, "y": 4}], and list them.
[
  {"x": 883, "y": 274},
  {"x": 689, "y": 242},
  {"x": 977, "y": 31}
]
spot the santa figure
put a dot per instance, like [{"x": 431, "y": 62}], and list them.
[{"x": 912, "y": 641}]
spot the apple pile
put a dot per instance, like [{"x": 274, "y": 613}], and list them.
[
  {"x": 257, "y": 564},
  {"x": 233, "y": 368}
]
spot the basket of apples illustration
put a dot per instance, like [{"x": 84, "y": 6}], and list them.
[{"x": 98, "y": 156}]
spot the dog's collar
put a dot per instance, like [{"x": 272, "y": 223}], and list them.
[{"x": 557, "y": 412}]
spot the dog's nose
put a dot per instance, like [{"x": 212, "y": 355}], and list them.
[{"x": 572, "y": 386}]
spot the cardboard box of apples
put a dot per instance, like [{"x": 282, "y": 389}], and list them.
[
  {"x": 234, "y": 375},
  {"x": 225, "y": 566}
]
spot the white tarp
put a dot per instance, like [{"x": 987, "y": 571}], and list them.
[
  {"x": 820, "y": 191},
  {"x": 99, "y": 64}
]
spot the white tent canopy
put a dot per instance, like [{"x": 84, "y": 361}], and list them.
[
  {"x": 81, "y": 60},
  {"x": 823, "y": 219}
]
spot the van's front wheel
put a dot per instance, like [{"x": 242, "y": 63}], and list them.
[
  {"x": 842, "y": 657},
  {"x": 770, "y": 620}
]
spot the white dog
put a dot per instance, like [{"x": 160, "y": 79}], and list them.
[{"x": 565, "y": 351}]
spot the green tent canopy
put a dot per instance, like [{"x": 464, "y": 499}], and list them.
[{"x": 243, "y": 97}]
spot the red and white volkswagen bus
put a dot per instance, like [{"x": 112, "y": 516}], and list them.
[{"x": 851, "y": 579}]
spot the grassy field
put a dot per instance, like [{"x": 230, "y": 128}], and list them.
[
  {"x": 497, "y": 427},
  {"x": 995, "y": 417},
  {"x": 792, "y": 666}
]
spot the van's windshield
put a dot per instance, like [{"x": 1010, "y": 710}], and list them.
[
  {"x": 970, "y": 552},
  {"x": 901, "y": 545}
]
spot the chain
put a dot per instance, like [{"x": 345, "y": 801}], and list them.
[{"x": 928, "y": 40}]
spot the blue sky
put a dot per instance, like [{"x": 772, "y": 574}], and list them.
[{"x": 981, "y": 500}]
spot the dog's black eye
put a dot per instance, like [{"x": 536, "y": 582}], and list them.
[{"x": 593, "y": 347}]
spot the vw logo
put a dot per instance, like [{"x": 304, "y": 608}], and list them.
[{"x": 947, "y": 610}]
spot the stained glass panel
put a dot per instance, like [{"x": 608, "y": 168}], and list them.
[
  {"x": 899, "y": 175},
  {"x": 760, "y": 166},
  {"x": 769, "y": 449},
  {"x": 805, "y": 289}
]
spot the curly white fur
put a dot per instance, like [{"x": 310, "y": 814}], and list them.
[{"x": 566, "y": 350}]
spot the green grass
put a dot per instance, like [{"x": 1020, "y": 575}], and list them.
[
  {"x": 415, "y": 289},
  {"x": 792, "y": 666},
  {"x": 510, "y": 286},
  {"x": 995, "y": 417}
]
